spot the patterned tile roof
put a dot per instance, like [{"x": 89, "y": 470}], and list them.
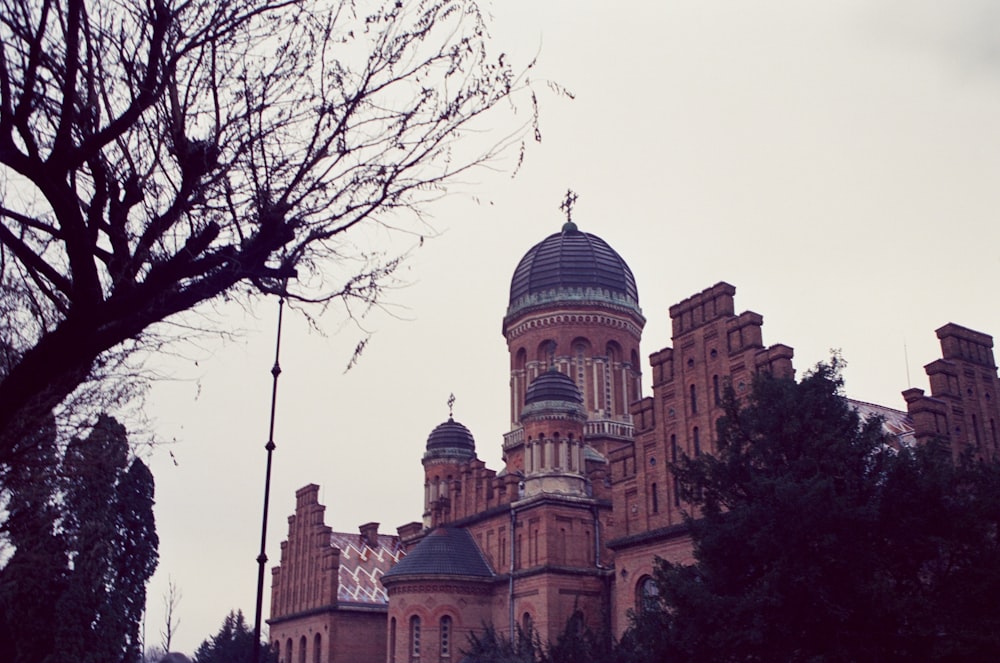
[
  {"x": 445, "y": 551},
  {"x": 361, "y": 566},
  {"x": 895, "y": 423}
]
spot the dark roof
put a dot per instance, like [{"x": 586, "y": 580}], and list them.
[
  {"x": 553, "y": 386},
  {"x": 446, "y": 551},
  {"x": 453, "y": 436},
  {"x": 572, "y": 265}
]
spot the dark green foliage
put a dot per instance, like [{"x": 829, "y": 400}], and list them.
[
  {"x": 817, "y": 541},
  {"x": 493, "y": 647},
  {"x": 576, "y": 644},
  {"x": 35, "y": 575},
  {"x": 232, "y": 644},
  {"x": 85, "y": 546}
]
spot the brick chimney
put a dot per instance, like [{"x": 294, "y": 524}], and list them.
[{"x": 369, "y": 534}]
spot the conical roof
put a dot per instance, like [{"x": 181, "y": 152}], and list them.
[{"x": 445, "y": 551}]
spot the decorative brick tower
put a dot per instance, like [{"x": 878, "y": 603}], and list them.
[
  {"x": 553, "y": 420},
  {"x": 963, "y": 408},
  {"x": 574, "y": 307},
  {"x": 450, "y": 447}
]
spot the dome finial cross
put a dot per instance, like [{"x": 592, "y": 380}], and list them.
[
  {"x": 451, "y": 406},
  {"x": 567, "y": 204}
]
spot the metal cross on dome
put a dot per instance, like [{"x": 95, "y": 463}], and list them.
[
  {"x": 567, "y": 204},
  {"x": 451, "y": 405}
]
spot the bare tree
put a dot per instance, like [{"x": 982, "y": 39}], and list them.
[
  {"x": 171, "y": 600},
  {"x": 156, "y": 154}
]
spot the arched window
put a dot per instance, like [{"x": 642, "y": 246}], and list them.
[
  {"x": 577, "y": 624},
  {"x": 414, "y": 638},
  {"x": 445, "y": 637},
  {"x": 302, "y": 649},
  {"x": 647, "y": 594},
  {"x": 317, "y": 649},
  {"x": 580, "y": 360},
  {"x": 288, "y": 652},
  {"x": 277, "y": 650},
  {"x": 392, "y": 640}
]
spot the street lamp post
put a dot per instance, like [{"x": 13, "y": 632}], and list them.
[{"x": 262, "y": 557}]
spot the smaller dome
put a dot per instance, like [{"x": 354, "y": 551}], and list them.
[
  {"x": 553, "y": 386},
  {"x": 451, "y": 435}
]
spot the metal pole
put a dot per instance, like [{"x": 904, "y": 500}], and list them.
[{"x": 262, "y": 557}]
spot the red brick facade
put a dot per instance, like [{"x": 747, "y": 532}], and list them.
[{"x": 571, "y": 525}]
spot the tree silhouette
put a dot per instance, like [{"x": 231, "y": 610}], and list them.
[
  {"x": 156, "y": 155},
  {"x": 817, "y": 538}
]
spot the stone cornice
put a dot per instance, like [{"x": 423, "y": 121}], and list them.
[{"x": 526, "y": 321}]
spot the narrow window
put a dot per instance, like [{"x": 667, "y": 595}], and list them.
[
  {"x": 288, "y": 653},
  {"x": 392, "y": 640},
  {"x": 302, "y": 649},
  {"x": 697, "y": 443},
  {"x": 414, "y": 638},
  {"x": 715, "y": 389},
  {"x": 694, "y": 401},
  {"x": 445, "y": 636},
  {"x": 317, "y": 649},
  {"x": 673, "y": 459},
  {"x": 975, "y": 429},
  {"x": 656, "y": 500}
]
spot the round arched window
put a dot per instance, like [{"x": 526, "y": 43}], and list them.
[{"x": 647, "y": 594}]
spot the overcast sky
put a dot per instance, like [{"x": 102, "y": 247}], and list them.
[{"x": 838, "y": 162}]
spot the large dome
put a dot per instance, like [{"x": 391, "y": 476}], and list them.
[{"x": 573, "y": 267}]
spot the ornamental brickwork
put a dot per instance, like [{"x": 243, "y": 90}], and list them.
[{"x": 568, "y": 530}]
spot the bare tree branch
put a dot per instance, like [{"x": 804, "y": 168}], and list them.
[{"x": 165, "y": 151}]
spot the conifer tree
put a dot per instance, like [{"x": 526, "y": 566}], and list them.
[
  {"x": 232, "y": 644},
  {"x": 112, "y": 540},
  {"x": 818, "y": 538}
]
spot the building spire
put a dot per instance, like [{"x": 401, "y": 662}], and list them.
[
  {"x": 567, "y": 207},
  {"x": 451, "y": 406}
]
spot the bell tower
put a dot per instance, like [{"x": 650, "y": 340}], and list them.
[{"x": 574, "y": 293}]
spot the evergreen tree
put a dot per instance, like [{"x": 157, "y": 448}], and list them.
[
  {"x": 35, "y": 575},
  {"x": 232, "y": 644},
  {"x": 111, "y": 535},
  {"x": 817, "y": 540}
]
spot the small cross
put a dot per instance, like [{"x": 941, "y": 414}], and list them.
[
  {"x": 567, "y": 204},
  {"x": 451, "y": 405}
]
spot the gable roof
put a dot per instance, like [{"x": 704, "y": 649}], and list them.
[
  {"x": 895, "y": 423},
  {"x": 361, "y": 567}
]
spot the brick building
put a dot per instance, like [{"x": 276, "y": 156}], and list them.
[{"x": 566, "y": 532}]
